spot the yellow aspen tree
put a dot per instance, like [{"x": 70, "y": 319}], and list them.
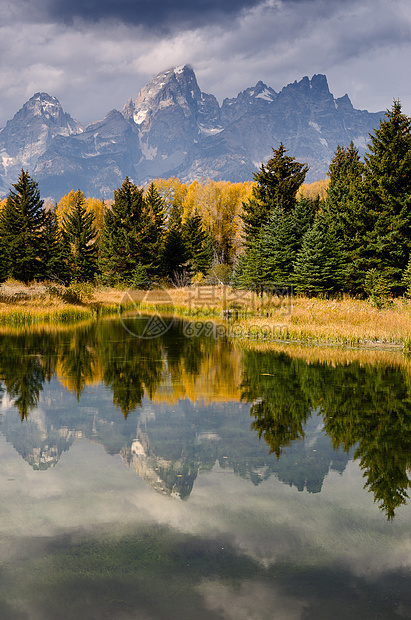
[
  {"x": 172, "y": 191},
  {"x": 66, "y": 204},
  {"x": 97, "y": 207},
  {"x": 314, "y": 190}
]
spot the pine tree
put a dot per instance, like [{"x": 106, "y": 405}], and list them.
[
  {"x": 276, "y": 185},
  {"x": 383, "y": 200},
  {"x": 345, "y": 172},
  {"x": 198, "y": 244},
  {"x": 132, "y": 234},
  {"x": 3, "y": 263},
  {"x": 282, "y": 237},
  {"x": 4, "y": 259},
  {"x": 318, "y": 266},
  {"x": 156, "y": 206},
  {"x": 55, "y": 257},
  {"x": 303, "y": 215},
  {"x": 21, "y": 231},
  {"x": 279, "y": 246},
  {"x": 155, "y": 232},
  {"x": 274, "y": 193},
  {"x": 344, "y": 214},
  {"x": 345, "y": 167},
  {"x": 79, "y": 237},
  {"x": 249, "y": 270},
  {"x": 175, "y": 257},
  {"x": 117, "y": 260},
  {"x": 406, "y": 279}
]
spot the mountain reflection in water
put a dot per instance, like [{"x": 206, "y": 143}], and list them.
[{"x": 170, "y": 418}]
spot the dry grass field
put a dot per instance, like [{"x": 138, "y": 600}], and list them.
[
  {"x": 246, "y": 316},
  {"x": 306, "y": 320}
]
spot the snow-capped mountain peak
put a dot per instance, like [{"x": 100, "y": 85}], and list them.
[{"x": 173, "y": 128}]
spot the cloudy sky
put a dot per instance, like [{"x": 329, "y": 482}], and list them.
[{"x": 93, "y": 55}]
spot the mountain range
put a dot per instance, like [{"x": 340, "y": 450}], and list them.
[{"x": 174, "y": 129}]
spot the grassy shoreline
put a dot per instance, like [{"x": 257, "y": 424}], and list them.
[
  {"x": 345, "y": 322},
  {"x": 305, "y": 321}
]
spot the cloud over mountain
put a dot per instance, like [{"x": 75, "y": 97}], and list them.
[{"x": 175, "y": 129}]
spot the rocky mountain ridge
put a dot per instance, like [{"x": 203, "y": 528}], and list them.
[{"x": 174, "y": 129}]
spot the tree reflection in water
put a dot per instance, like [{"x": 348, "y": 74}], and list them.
[{"x": 364, "y": 409}]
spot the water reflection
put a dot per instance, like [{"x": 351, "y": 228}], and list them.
[
  {"x": 366, "y": 407},
  {"x": 170, "y": 418}
]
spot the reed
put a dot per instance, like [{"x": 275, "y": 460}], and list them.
[
  {"x": 331, "y": 355},
  {"x": 27, "y": 317},
  {"x": 34, "y": 304},
  {"x": 346, "y": 321}
]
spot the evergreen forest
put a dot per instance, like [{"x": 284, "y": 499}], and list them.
[{"x": 354, "y": 238}]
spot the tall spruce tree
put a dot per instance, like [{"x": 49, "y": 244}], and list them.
[
  {"x": 318, "y": 267},
  {"x": 4, "y": 262},
  {"x": 55, "y": 257},
  {"x": 268, "y": 209},
  {"x": 117, "y": 260},
  {"x": 132, "y": 235},
  {"x": 279, "y": 246},
  {"x": 276, "y": 185},
  {"x": 198, "y": 244},
  {"x": 175, "y": 256},
  {"x": 79, "y": 237},
  {"x": 282, "y": 237},
  {"x": 345, "y": 167},
  {"x": 155, "y": 231},
  {"x": 21, "y": 231},
  {"x": 249, "y": 271},
  {"x": 345, "y": 172},
  {"x": 341, "y": 210},
  {"x": 383, "y": 201}
]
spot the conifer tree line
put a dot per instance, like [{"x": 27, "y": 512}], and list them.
[
  {"x": 355, "y": 238},
  {"x": 135, "y": 244}
]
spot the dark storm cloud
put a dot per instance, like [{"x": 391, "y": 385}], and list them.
[
  {"x": 95, "y": 54},
  {"x": 156, "y": 14}
]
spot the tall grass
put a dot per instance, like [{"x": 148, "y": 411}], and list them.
[
  {"x": 17, "y": 317},
  {"x": 345, "y": 321},
  {"x": 332, "y": 356},
  {"x": 38, "y": 304}
]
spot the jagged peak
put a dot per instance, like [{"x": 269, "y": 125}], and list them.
[
  {"x": 259, "y": 91},
  {"x": 180, "y": 74},
  {"x": 319, "y": 82},
  {"x": 344, "y": 102},
  {"x": 47, "y": 110},
  {"x": 262, "y": 91},
  {"x": 184, "y": 71},
  {"x": 43, "y": 104},
  {"x": 44, "y": 97},
  {"x": 178, "y": 84},
  {"x": 128, "y": 109},
  {"x": 113, "y": 114},
  {"x": 317, "y": 85}
]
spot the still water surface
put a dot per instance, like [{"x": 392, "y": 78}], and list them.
[{"x": 184, "y": 478}]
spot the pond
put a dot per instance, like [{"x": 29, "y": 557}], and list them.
[{"x": 168, "y": 473}]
